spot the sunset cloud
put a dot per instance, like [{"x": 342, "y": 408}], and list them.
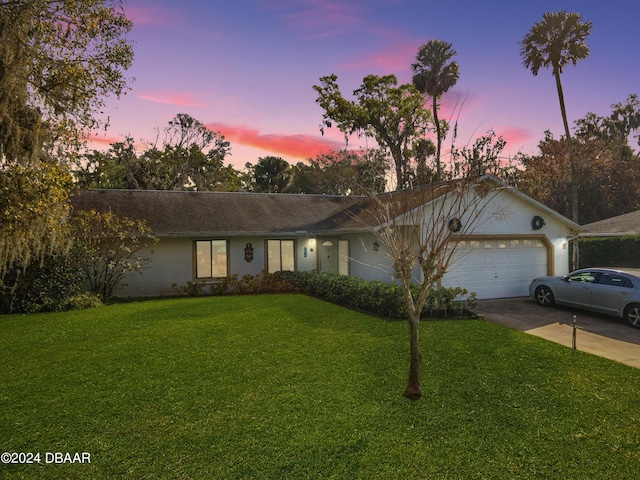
[
  {"x": 396, "y": 58},
  {"x": 103, "y": 140},
  {"x": 323, "y": 18},
  {"x": 299, "y": 146},
  {"x": 514, "y": 136},
  {"x": 171, "y": 98}
]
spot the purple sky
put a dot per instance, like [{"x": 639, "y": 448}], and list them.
[{"x": 246, "y": 68}]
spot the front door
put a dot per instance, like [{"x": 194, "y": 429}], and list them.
[
  {"x": 334, "y": 256},
  {"x": 328, "y": 256}
]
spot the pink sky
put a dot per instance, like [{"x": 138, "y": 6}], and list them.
[{"x": 246, "y": 69}]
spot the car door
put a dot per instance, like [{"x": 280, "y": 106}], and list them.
[
  {"x": 611, "y": 293},
  {"x": 575, "y": 289}
]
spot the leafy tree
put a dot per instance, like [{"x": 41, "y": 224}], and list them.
[
  {"x": 433, "y": 75},
  {"x": 269, "y": 175},
  {"x": 481, "y": 159},
  {"x": 118, "y": 167},
  {"x": 392, "y": 114},
  {"x": 341, "y": 172},
  {"x": 33, "y": 213},
  {"x": 59, "y": 60},
  {"x": 191, "y": 158},
  {"x": 615, "y": 129},
  {"x": 107, "y": 248},
  {"x": 558, "y": 39},
  {"x": 607, "y": 184}
]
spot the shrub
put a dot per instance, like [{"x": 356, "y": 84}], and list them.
[
  {"x": 41, "y": 287},
  {"x": 84, "y": 300},
  {"x": 377, "y": 297},
  {"x": 190, "y": 289},
  {"x": 235, "y": 285}
]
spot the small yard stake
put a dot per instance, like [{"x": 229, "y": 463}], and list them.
[{"x": 574, "y": 333}]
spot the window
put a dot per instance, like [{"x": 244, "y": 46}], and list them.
[
  {"x": 583, "y": 277},
  {"x": 343, "y": 257},
  {"x": 280, "y": 255},
  {"x": 211, "y": 259},
  {"x": 615, "y": 280}
]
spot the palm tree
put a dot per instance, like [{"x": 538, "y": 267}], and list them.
[
  {"x": 558, "y": 39},
  {"x": 433, "y": 76}
]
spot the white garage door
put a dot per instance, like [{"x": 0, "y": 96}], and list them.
[{"x": 497, "y": 268}]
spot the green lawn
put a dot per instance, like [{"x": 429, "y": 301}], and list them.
[{"x": 290, "y": 387}]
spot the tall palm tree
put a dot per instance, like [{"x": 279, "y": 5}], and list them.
[
  {"x": 558, "y": 39},
  {"x": 434, "y": 74}
]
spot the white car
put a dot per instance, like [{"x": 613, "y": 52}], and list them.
[{"x": 610, "y": 291}]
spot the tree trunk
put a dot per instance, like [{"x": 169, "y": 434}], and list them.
[
  {"x": 414, "y": 387},
  {"x": 572, "y": 160},
  {"x": 438, "y": 139},
  {"x": 574, "y": 167}
]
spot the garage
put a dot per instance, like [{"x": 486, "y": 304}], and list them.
[{"x": 498, "y": 267}]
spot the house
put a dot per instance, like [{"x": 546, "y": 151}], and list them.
[{"x": 205, "y": 236}]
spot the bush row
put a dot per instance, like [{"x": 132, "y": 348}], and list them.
[
  {"x": 376, "y": 297},
  {"x": 234, "y": 285}
]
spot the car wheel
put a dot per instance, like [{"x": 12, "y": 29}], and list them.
[
  {"x": 544, "y": 296},
  {"x": 632, "y": 315}
]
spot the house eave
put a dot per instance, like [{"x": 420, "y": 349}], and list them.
[
  {"x": 241, "y": 234},
  {"x": 608, "y": 234}
]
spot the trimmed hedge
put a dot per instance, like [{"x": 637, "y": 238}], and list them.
[
  {"x": 610, "y": 252},
  {"x": 375, "y": 297}
]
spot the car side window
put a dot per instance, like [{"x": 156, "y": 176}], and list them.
[
  {"x": 585, "y": 277},
  {"x": 615, "y": 280}
]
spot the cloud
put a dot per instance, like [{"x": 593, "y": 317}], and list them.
[
  {"x": 98, "y": 139},
  {"x": 396, "y": 58},
  {"x": 299, "y": 146},
  {"x": 514, "y": 135},
  {"x": 320, "y": 18},
  {"x": 171, "y": 98}
]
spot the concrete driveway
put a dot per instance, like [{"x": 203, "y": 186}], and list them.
[{"x": 601, "y": 335}]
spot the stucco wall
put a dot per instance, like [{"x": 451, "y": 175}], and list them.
[{"x": 171, "y": 262}]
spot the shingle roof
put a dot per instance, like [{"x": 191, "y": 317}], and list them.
[
  {"x": 183, "y": 213},
  {"x": 241, "y": 213},
  {"x": 622, "y": 225},
  {"x": 228, "y": 213}
]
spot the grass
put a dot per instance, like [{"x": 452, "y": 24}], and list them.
[{"x": 291, "y": 387}]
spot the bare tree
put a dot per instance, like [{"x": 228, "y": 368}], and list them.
[{"x": 421, "y": 228}]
